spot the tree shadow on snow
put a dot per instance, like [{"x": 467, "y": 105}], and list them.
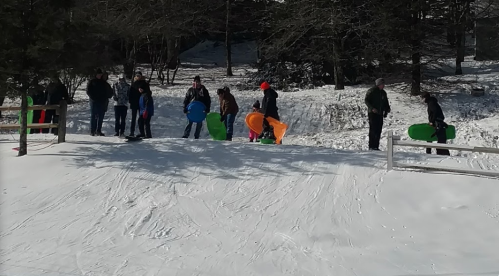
[{"x": 188, "y": 159}]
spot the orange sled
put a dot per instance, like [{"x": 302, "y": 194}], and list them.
[{"x": 254, "y": 121}]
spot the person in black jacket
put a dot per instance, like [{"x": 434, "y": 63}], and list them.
[
  {"x": 269, "y": 109},
  {"x": 196, "y": 93},
  {"x": 55, "y": 92},
  {"x": 37, "y": 93},
  {"x": 436, "y": 120},
  {"x": 99, "y": 95},
  {"x": 134, "y": 97},
  {"x": 378, "y": 108}
]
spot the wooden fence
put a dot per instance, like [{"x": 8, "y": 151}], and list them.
[
  {"x": 61, "y": 109},
  {"x": 396, "y": 141}
]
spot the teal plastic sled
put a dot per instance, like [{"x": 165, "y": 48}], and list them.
[
  {"x": 216, "y": 129},
  {"x": 30, "y": 115},
  {"x": 423, "y": 132}
]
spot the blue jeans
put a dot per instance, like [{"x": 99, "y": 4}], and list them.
[
  {"x": 229, "y": 125},
  {"x": 197, "y": 132},
  {"x": 97, "y": 111}
]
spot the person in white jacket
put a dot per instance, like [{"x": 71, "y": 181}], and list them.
[{"x": 121, "y": 90}]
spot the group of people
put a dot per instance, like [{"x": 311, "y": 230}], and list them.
[
  {"x": 137, "y": 96},
  {"x": 229, "y": 109},
  {"x": 378, "y": 108},
  {"x": 50, "y": 95}
]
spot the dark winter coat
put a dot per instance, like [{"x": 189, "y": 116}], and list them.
[
  {"x": 37, "y": 93},
  {"x": 135, "y": 94},
  {"x": 228, "y": 104},
  {"x": 98, "y": 90},
  {"x": 269, "y": 103},
  {"x": 55, "y": 92},
  {"x": 435, "y": 113},
  {"x": 146, "y": 102},
  {"x": 198, "y": 94},
  {"x": 376, "y": 98}
]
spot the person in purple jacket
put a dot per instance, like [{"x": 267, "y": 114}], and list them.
[{"x": 146, "y": 111}]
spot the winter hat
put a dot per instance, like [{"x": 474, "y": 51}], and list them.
[
  {"x": 197, "y": 78},
  {"x": 265, "y": 85},
  {"x": 380, "y": 81},
  {"x": 220, "y": 91},
  {"x": 98, "y": 71},
  {"x": 138, "y": 73},
  {"x": 256, "y": 104}
]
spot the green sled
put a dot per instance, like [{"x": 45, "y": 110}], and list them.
[
  {"x": 423, "y": 132},
  {"x": 30, "y": 115},
  {"x": 216, "y": 129}
]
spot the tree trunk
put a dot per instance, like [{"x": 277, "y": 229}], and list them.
[
  {"x": 416, "y": 49},
  {"x": 339, "y": 78},
  {"x": 228, "y": 37},
  {"x": 23, "y": 140}
]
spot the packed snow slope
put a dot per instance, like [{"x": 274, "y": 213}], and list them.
[
  {"x": 100, "y": 206},
  {"x": 316, "y": 205}
]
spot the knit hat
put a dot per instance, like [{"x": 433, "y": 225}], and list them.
[
  {"x": 256, "y": 104},
  {"x": 98, "y": 71},
  {"x": 138, "y": 73},
  {"x": 265, "y": 85},
  {"x": 380, "y": 81},
  {"x": 197, "y": 78}
]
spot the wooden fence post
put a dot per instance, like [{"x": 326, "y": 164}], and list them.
[
  {"x": 389, "y": 144},
  {"x": 63, "y": 113}
]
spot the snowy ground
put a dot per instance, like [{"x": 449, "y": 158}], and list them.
[{"x": 316, "y": 205}]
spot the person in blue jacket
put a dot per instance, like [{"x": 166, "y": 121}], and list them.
[{"x": 146, "y": 111}]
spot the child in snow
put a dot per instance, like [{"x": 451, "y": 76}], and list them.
[
  {"x": 146, "y": 111},
  {"x": 121, "y": 90},
  {"x": 228, "y": 110},
  {"x": 253, "y": 136}
]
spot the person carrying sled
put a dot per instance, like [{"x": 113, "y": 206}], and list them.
[
  {"x": 197, "y": 92},
  {"x": 253, "y": 136},
  {"x": 134, "y": 98},
  {"x": 37, "y": 93},
  {"x": 436, "y": 120},
  {"x": 228, "y": 110},
  {"x": 378, "y": 108},
  {"x": 269, "y": 109},
  {"x": 146, "y": 109},
  {"x": 121, "y": 90},
  {"x": 55, "y": 92}
]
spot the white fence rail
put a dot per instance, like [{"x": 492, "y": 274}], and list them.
[{"x": 396, "y": 141}]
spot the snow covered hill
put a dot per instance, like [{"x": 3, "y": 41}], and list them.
[
  {"x": 181, "y": 207},
  {"x": 317, "y": 205}
]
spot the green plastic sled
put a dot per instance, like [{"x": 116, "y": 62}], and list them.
[
  {"x": 267, "y": 141},
  {"x": 423, "y": 132},
  {"x": 30, "y": 115},
  {"x": 216, "y": 129}
]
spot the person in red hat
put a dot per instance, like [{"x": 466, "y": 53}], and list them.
[{"x": 269, "y": 109}]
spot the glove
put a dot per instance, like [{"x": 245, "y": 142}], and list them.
[
  {"x": 186, "y": 111},
  {"x": 222, "y": 118},
  {"x": 144, "y": 115}
]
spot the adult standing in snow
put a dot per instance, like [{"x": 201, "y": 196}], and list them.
[
  {"x": 97, "y": 91},
  {"x": 228, "y": 110},
  {"x": 37, "y": 93},
  {"x": 378, "y": 108},
  {"x": 197, "y": 92},
  {"x": 121, "y": 90},
  {"x": 436, "y": 120},
  {"x": 56, "y": 92},
  {"x": 134, "y": 97},
  {"x": 269, "y": 109}
]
